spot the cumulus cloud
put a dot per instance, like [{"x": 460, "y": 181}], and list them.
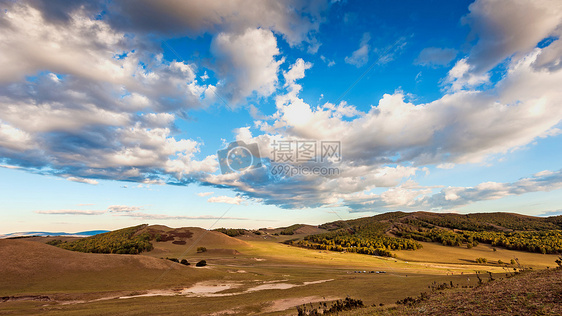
[
  {"x": 457, "y": 196},
  {"x": 247, "y": 63},
  {"x": 393, "y": 140},
  {"x": 462, "y": 76},
  {"x": 410, "y": 198},
  {"x": 296, "y": 20},
  {"x": 435, "y": 56},
  {"x": 88, "y": 105},
  {"x": 506, "y": 28},
  {"x": 360, "y": 56},
  {"x": 100, "y": 103}
]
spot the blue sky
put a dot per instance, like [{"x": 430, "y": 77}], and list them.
[{"x": 111, "y": 114}]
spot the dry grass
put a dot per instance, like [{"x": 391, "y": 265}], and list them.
[
  {"x": 531, "y": 293},
  {"x": 33, "y": 267},
  {"x": 436, "y": 253}
]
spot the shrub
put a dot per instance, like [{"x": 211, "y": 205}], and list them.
[
  {"x": 291, "y": 229},
  {"x": 54, "y": 242},
  {"x": 232, "y": 232},
  {"x": 184, "y": 262},
  {"x": 481, "y": 260},
  {"x": 201, "y": 263},
  {"x": 201, "y": 249}
]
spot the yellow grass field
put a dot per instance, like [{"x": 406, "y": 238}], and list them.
[{"x": 244, "y": 275}]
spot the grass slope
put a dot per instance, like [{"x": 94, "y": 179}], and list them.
[
  {"x": 34, "y": 267},
  {"x": 530, "y": 293}
]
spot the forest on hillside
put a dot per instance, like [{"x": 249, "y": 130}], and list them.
[
  {"x": 122, "y": 241},
  {"x": 380, "y": 234}
]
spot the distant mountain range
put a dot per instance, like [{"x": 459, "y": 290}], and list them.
[{"x": 43, "y": 234}]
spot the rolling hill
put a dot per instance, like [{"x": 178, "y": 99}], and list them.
[
  {"x": 178, "y": 242},
  {"x": 28, "y": 266},
  {"x": 384, "y": 233}
]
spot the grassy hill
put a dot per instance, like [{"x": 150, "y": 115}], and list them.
[
  {"x": 395, "y": 231},
  {"x": 529, "y": 293},
  {"x": 498, "y": 221},
  {"x": 159, "y": 240},
  {"x": 31, "y": 267},
  {"x": 178, "y": 242},
  {"x": 122, "y": 241}
]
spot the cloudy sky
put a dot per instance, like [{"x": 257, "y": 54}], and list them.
[{"x": 112, "y": 112}]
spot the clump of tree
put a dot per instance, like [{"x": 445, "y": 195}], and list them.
[
  {"x": 54, "y": 242},
  {"x": 546, "y": 241},
  {"x": 367, "y": 239},
  {"x": 481, "y": 260},
  {"x": 184, "y": 262},
  {"x": 232, "y": 232},
  {"x": 201, "y": 263},
  {"x": 201, "y": 249},
  {"x": 122, "y": 241},
  {"x": 291, "y": 229}
]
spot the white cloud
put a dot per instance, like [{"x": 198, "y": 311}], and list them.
[
  {"x": 506, "y": 28},
  {"x": 70, "y": 212},
  {"x": 82, "y": 180},
  {"x": 226, "y": 199},
  {"x": 123, "y": 209},
  {"x": 462, "y": 76},
  {"x": 296, "y": 71},
  {"x": 381, "y": 146},
  {"x": 148, "y": 216},
  {"x": 448, "y": 165},
  {"x": 203, "y": 194},
  {"x": 361, "y": 56},
  {"x": 247, "y": 63},
  {"x": 296, "y": 20}
]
